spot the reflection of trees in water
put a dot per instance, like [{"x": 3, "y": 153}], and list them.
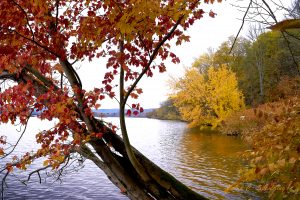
[
  {"x": 210, "y": 162},
  {"x": 211, "y": 144}
]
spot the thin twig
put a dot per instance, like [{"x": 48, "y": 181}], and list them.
[
  {"x": 60, "y": 171},
  {"x": 16, "y": 144},
  {"x": 2, "y": 185},
  {"x": 270, "y": 11},
  {"x": 38, "y": 172},
  {"x": 243, "y": 21}
]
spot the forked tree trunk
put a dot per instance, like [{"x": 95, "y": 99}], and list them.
[
  {"x": 120, "y": 171},
  {"x": 109, "y": 154}
]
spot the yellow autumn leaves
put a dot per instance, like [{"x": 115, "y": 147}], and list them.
[
  {"x": 207, "y": 98},
  {"x": 141, "y": 15}
]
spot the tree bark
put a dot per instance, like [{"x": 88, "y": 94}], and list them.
[
  {"x": 167, "y": 182},
  {"x": 114, "y": 160}
]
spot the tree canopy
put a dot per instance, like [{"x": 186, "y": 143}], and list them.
[
  {"x": 41, "y": 40},
  {"x": 266, "y": 65},
  {"x": 207, "y": 99}
]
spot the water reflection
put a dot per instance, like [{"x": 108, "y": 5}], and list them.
[
  {"x": 205, "y": 161},
  {"x": 209, "y": 161}
]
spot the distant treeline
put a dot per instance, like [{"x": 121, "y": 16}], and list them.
[
  {"x": 167, "y": 111},
  {"x": 107, "y": 113}
]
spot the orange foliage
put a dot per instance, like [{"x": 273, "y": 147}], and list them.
[
  {"x": 275, "y": 155},
  {"x": 287, "y": 87},
  {"x": 40, "y": 40}
]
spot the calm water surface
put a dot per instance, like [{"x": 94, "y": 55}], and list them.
[{"x": 205, "y": 161}]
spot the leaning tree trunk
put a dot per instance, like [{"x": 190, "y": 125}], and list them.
[
  {"x": 121, "y": 172},
  {"x": 162, "y": 184},
  {"x": 109, "y": 154}
]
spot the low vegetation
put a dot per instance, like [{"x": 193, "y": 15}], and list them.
[
  {"x": 273, "y": 131},
  {"x": 255, "y": 93}
]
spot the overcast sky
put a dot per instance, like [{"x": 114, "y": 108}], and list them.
[{"x": 207, "y": 32}]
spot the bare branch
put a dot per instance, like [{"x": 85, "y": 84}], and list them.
[
  {"x": 270, "y": 10},
  {"x": 3, "y": 183},
  {"x": 16, "y": 144},
  {"x": 38, "y": 172},
  {"x": 243, "y": 21},
  {"x": 60, "y": 171}
]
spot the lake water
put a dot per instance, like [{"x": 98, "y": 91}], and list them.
[{"x": 205, "y": 161}]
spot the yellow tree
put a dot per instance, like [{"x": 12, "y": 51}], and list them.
[
  {"x": 207, "y": 99},
  {"x": 40, "y": 42},
  {"x": 189, "y": 98},
  {"x": 223, "y": 95}
]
